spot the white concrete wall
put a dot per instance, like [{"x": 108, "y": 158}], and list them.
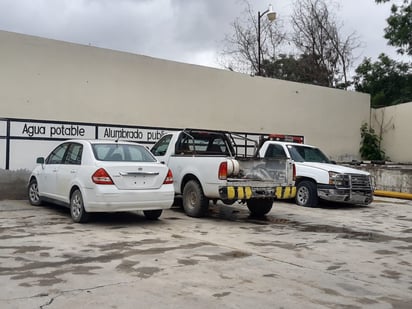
[
  {"x": 394, "y": 123},
  {"x": 52, "y": 80}
]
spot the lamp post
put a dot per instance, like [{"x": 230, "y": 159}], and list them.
[{"x": 271, "y": 16}]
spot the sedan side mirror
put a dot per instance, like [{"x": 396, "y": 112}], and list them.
[{"x": 40, "y": 160}]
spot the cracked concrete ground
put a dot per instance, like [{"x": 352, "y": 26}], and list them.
[{"x": 331, "y": 256}]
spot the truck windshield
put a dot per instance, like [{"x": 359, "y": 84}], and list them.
[{"x": 307, "y": 154}]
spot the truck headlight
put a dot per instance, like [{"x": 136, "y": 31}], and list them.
[{"x": 338, "y": 180}]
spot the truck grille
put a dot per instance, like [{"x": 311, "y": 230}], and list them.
[{"x": 360, "y": 182}]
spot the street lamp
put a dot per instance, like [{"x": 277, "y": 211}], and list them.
[{"x": 271, "y": 16}]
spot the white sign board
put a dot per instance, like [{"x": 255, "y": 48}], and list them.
[
  {"x": 51, "y": 130},
  {"x": 131, "y": 133},
  {"x": 29, "y": 139}
]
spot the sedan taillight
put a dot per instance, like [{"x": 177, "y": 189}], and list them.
[
  {"x": 169, "y": 178},
  {"x": 101, "y": 177}
]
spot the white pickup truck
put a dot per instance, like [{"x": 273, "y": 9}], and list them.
[
  {"x": 205, "y": 168},
  {"x": 317, "y": 176}
]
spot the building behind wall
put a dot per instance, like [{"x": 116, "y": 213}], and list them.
[{"x": 48, "y": 80}]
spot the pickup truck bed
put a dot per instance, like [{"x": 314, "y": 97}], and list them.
[{"x": 205, "y": 167}]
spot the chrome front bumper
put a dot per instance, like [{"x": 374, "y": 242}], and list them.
[{"x": 346, "y": 196}]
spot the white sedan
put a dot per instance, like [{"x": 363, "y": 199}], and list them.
[{"x": 102, "y": 176}]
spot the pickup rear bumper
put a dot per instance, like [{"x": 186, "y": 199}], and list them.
[
  {"x": 359, "y": 197},
  {"x": 249, "y": 192}
]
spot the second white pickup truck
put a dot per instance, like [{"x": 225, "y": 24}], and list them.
[
  {"x": 316, "y": 176},
  {"x": 205, "y": 167}
]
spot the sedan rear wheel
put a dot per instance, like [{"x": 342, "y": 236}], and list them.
[
  {"x": 33, "y": 193},
  {"x": 152, "y": 214},
  {"x": 77, "y": 211}
]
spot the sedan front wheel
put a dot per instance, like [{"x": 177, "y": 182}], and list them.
[{"x": 33, "y": 193}]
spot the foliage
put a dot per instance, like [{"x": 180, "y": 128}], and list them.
[
  {"x": 399, "y": 29},
  {"x": 319, "y": 53},
  {"x": 316, "y": 32},
  {"x": 387, "y": 81},
  {"x": 240, "y": 51},
  {"x": 303, "y": 69},
  {"x": 370, "y": 144}
]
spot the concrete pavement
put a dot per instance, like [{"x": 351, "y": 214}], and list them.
[{"x": 333, "y": 256}]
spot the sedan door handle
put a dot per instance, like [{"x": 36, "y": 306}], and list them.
[{"x": 72, "y": 172}]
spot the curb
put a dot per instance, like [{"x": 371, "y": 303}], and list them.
[{"x": 406, "y": 196}]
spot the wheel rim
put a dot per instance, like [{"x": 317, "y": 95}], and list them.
[
  {"x": 302, "y": 195},
  {"x": 192, "y": 199},
  {"x": 34, "y": 193},
  {"x": 76, "y": 205}
]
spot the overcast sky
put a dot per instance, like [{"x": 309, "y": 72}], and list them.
[{"x": 189, "y": 31}]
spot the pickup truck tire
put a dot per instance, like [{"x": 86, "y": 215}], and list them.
[
  {"x": 229, "y": 202},
  {"x": 195, "y": 203},
  {"x": 306, "y": 194},
  {"x": 259, "y": 207}
]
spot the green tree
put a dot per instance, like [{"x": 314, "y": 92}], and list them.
[
  {"x": 387, "y": 81},
  {"x": 240, "y": 48},
  {"x": 370, "y": 148},
  {"x": 321, "y": 54},
  {"x": 318, "y": 33},
  {"x": 302, "y": 69},
  {"x": 399, "y": 29}
]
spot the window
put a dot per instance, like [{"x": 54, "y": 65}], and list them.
[
  {"x": 74, "y": 154},
  {"x": 307, "y": 154},
  {"x": 217, "y": 145},
  {"x": 202, "y": 142},
  {"x": 160, "y": 148},
  {"x": 122, "y": 152},
  {"x": 57, "y": 155},
  {"x": 275, "y": 151}
]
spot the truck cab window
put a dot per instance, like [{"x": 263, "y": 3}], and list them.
[
  {"x": 160, "y": 148},
  {"x": 275, "y": 151},
  {"x": 307, "y": 154}
]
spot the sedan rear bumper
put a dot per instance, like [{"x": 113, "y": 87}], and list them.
[{"x": 107, "y": 198}]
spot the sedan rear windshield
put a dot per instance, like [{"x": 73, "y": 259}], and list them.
[{"x": 122, "y": 153}]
